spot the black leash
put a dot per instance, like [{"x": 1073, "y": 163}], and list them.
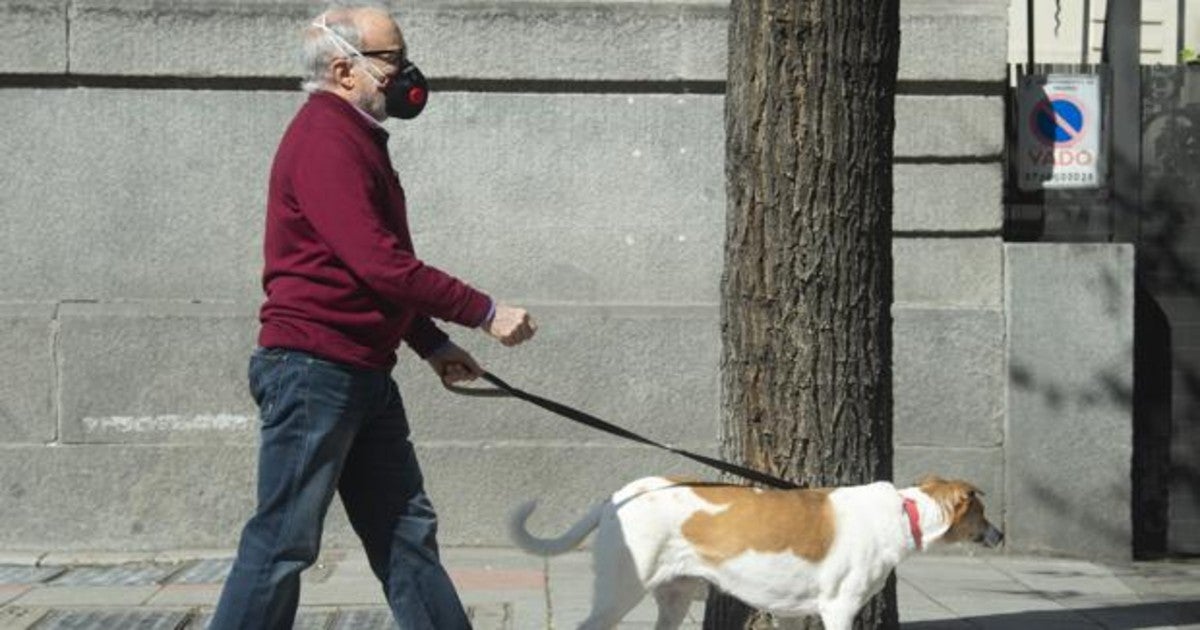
[{"x": 505, "y": 390}]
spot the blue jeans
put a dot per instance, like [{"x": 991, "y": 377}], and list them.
[{"x": 328, "y": 426}]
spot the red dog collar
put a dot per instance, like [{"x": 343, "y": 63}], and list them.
[{"x": 914, "y": 521}]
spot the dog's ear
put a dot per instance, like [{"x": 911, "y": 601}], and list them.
[
  {"x": 953, "y": 495},
  {"x": 928, "y": 479}
]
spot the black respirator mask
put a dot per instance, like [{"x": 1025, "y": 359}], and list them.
[{"x": 407, "y": 92}]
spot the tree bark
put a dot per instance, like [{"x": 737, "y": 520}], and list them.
[{"x": 807, "y": 284}]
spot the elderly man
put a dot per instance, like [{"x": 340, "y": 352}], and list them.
[{"x": 343, "y": 289}]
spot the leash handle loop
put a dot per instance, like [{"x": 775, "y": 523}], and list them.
[{"x": 503, "y": 389}]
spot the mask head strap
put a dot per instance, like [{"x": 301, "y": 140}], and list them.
[{"x": 345, "y": 46}]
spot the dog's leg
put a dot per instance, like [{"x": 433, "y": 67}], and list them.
[
  {"x": 674, "y": 599},
  {"x": 838, "y": 617},
  {"x": 617, "y": 587},
  {"x": 612, "y": 601}
]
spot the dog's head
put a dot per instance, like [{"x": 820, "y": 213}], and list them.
[{"x": 961, "y": 503}]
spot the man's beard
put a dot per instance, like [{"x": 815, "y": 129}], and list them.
[{"x": 375, "y": 104}]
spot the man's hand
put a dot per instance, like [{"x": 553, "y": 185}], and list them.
[
  {"x": 453, "y": 364},
  {"x": 511, "y": 325}
]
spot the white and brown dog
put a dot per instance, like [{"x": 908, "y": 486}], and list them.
[{"x": 789, "y": 552}]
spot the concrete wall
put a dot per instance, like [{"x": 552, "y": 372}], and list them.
[
  {"x": 1070, "y": 435},
  {"x": 571, "y": 161}
]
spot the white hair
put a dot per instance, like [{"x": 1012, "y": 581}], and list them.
[{"x": 321, "y": 47}]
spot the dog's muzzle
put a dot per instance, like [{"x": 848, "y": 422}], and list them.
[{"x": 992, "y": 537}]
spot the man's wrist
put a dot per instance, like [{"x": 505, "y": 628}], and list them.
[{"x": 440, "y": 348}]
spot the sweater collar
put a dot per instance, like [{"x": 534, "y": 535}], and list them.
[{"x": 352, "y": 113}]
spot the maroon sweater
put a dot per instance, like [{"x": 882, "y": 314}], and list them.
[{"x": 341, "y": 278}]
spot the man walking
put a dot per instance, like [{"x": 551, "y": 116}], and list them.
[{"x": 343, "y": 289}]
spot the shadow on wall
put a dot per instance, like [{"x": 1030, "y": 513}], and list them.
[
  {"x": 1093, "y": 519},
  {"x": 1106, "y": 389},
  {"x": 1167, "y": 319},
  {"x": 1074, "y": 398}
]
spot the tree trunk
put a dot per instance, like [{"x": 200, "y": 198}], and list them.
[{"x": 807, "y": 284}]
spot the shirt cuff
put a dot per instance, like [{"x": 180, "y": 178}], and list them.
[{"x": 490, "y": 314}]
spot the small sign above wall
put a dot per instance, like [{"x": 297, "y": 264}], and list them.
[{"x": 1060, "y": 132}]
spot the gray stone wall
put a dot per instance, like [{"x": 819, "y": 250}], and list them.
[
  {"x": 571, "y": 162},
  {"x": 1070, "y": 435}
]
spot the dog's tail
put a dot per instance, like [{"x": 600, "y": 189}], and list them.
[{"x": 552, "y": 546}]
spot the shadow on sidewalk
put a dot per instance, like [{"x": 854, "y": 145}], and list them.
[{"x": 1150, "y": 615}]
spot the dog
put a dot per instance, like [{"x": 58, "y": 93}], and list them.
[{"x": 789, "y": 552}]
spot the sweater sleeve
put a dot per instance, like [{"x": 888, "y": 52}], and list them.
[
  {"x": 336, "y": 192},
  {"x": 424, "y": 337}
]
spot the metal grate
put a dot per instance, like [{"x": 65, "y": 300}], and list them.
[
  {"x": 27, "y": 575},
  {"x": 205, "y": 572},
  {"x": 109, "y": 620},
  {"x": 379, "y": 619},
  {"x": 304, "y": 621},
  {"x": 113, "y": 576}
]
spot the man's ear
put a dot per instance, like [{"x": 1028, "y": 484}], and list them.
[{"x": 340, "y": 72}]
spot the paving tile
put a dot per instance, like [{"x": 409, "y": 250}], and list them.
[
  {"x": 915, "y": 605},
  {"x": 1035, "y": 620},
  {"x": 1164, "y": 579},
  {"x": 20, "y": 618},
  {"x": 10, "y": 592},
  {"x": 1057, "y": 566},
  {"x": 526, "y": 607},
  {"x": 305, "y": 620},
  {"x": 21, "y": 558},
  {"x": 176, "y": 556},
  {"x": 491, "y": 616},
  {"x": 125, "y": 575},
  {"x": 109, "y": 596},
  {"x": 1138, "y": 614},
  {"x": 490, "y": 558},
  {"x": 570, "y": 588},
  {"x": 498, "y": 579},
  {"x": 949, "y": 569},
  {"x": 186, "y": 595},
  {"x": 976, "y": 605},
  {"x": 1062, "y": 579},
  {"x": 931, "y": 619},
  {"x": 343, "y": 593},
  {"x": 325, "y": 567},
  {"x": 96, "y": 558},
  {"x": 909, "y": 593},
  {"x": 689, "y": 624},
  {"x": 340, "y": 564},
  {"x": 112, "y": 620},
  {"x": 364, "y": 619},
  {"x": 12, "y": 575}
]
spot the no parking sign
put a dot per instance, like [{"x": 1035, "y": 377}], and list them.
[{"x": 1059, "y": 132}]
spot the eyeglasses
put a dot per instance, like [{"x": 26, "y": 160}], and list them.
[{"x": 395, "y": 57}]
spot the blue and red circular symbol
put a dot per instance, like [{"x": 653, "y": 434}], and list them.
[{"x": 1058, "y": 121}]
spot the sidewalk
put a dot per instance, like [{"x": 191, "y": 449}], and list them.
[{"x": 507, "y": 589}]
